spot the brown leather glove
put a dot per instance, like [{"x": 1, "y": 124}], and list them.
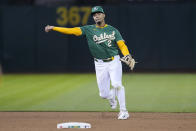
[{"x": 129, "y": 61}]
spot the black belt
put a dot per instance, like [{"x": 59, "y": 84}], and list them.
[{"x": 105, "y": 60}]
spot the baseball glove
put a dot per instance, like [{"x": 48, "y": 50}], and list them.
[{"x": 129, "y": 61}]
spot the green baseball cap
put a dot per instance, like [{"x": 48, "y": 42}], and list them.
[{"x": 96, "y": 9}]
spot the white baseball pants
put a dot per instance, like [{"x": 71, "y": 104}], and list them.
[{"x": 106, "y": 71}]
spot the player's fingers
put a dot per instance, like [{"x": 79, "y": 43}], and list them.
[{"x": 47, "y": 28}]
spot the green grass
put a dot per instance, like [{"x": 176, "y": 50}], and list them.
[{"x": 79, "y": 92}]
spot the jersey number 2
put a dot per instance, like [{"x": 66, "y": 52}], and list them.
[{"x": 109, "y": 43}]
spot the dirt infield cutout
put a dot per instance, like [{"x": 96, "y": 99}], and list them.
[{"x": 100, "y": 121}]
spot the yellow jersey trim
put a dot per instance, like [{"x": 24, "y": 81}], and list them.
[{"x": 102, "y": 27}]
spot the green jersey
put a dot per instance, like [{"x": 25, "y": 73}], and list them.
[{"x": 102, "y": 42}]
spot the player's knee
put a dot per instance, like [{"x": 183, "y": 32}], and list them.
[
  {"x": 118, "y": 85},
  {"x": 103, "y": 96}
]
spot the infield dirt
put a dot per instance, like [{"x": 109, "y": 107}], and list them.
[{"x": 100, "y": 121}]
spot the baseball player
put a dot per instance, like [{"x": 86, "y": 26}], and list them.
[{"x": 104, "y": 41}]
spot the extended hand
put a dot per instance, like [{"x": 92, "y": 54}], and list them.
[{"x": 48, "y": 28}]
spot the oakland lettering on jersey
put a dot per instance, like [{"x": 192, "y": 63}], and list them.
[{"x": 104, "y": 37}]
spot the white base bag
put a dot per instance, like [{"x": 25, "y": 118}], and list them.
[{"x": 73, "y": 125}]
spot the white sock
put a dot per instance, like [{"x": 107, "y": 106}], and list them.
[{"x": 121, "y": 98}]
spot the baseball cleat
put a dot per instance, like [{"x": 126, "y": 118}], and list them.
[{"x": 123, "y": 115}]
